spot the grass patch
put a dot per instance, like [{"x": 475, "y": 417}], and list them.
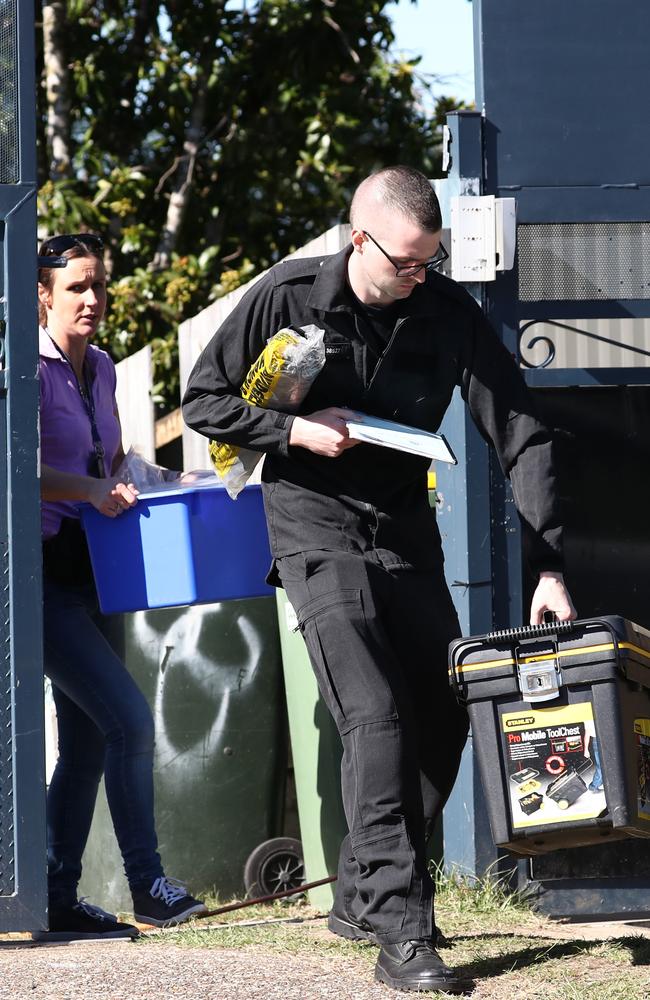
[
  {"x": 509, "y": 950},
  {"x": 490, "y": 894},
  {"x": 468, "y": 905}
]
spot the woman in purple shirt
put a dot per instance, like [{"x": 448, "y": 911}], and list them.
[{"x": 104, "y": 723}]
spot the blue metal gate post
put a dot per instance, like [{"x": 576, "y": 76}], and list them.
[
  {"x": 464, "y": 518},
  {"x": 22, "y": 767}
]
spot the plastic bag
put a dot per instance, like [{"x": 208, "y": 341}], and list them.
[
  {"x": 145, "y": 475},
  {"x": 279, "y": 380},
  {"x": 148, "y": 477}
]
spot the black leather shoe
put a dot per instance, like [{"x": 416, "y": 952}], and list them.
[
  {"x": 416, "y": 965},
  {"x": 355, "y": 929}
]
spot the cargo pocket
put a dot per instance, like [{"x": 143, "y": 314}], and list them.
[
  {"x": 320, "y": 621},
  {"x": 388, "y": 875},
  {"x": 326, "y": 603}
]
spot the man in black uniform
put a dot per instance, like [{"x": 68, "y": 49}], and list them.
[{"x": 355, "y": 543}]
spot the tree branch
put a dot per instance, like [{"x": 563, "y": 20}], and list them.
[
  {"x": 354, "y": 55},
  {"x": 185, "y": 171},
  {"x": 57, "y": 89}
]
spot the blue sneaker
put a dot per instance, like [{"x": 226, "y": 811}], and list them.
[
  {"x": 81, "y": 921},
  {"x": 166, "y": 903}
]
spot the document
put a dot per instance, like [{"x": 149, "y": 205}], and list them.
[{"x": 401, "y": 437}]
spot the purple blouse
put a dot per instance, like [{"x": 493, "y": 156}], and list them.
[{"x": 66, "y": 436}]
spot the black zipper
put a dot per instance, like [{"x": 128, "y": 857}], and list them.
[
  {"x": 328, "y": 607},
  {"x": 400, "y": 323}
]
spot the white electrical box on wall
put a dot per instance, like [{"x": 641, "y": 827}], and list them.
[
  {"x": 506, "y": 232},
  {"x": 473, "y": 238},
  {"x": 483, "y": 236}
]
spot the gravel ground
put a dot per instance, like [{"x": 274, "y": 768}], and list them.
[{"x": 119, "y": 970}]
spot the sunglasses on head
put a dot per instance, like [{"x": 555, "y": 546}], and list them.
[{"x": 52, "y": 249}]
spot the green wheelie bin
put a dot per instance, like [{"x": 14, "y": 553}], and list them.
[{"x": 212, "y": 675}]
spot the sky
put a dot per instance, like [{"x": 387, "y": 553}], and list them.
[{"x": 441, "y": 32}]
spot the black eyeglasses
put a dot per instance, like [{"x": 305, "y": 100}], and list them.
[
  {"x": 404, "y": 270},
  {"x": 52, "y": 249}
]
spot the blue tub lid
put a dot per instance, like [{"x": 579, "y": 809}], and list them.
[{"x": 175, "y": 491}]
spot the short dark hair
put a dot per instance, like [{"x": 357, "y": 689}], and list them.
[{"x": 408, "y": 191}]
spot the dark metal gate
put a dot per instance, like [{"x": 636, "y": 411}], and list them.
[
  {"x": 558, "y": 130},
  {"x": 22, "y": 777}
]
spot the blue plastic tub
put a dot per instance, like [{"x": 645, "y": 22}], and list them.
[{"x": 192, "y": 545}]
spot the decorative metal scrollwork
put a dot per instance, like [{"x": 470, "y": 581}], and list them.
[
  {"x": 532, "y": 343},
  {"x": 586, "y": 343}
]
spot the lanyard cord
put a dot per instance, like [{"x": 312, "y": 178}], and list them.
[{"x": 86, "y": 395}]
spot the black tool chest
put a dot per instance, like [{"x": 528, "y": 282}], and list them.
[{"x": 560, "y": 718}]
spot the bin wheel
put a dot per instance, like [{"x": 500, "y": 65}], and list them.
[
  {"x": 563, "y": 804},
  {"x": 274, "y": 866}
]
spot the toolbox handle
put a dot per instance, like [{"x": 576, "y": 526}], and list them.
[
  {"x": 463, "y": 646},
  {"x": 607, "y": 625},
  {"x": 583, "y": 766},
  {"x": 530, "y": 631},
  {"x": 551, "y": 628}
]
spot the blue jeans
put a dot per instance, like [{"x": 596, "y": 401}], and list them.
[{"x": 105, "y": 727}]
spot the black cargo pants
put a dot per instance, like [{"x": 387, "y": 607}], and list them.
[{"x": 377, "y": 636}]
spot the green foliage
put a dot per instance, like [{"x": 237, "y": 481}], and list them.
[{"x": 301, "y": 99}]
